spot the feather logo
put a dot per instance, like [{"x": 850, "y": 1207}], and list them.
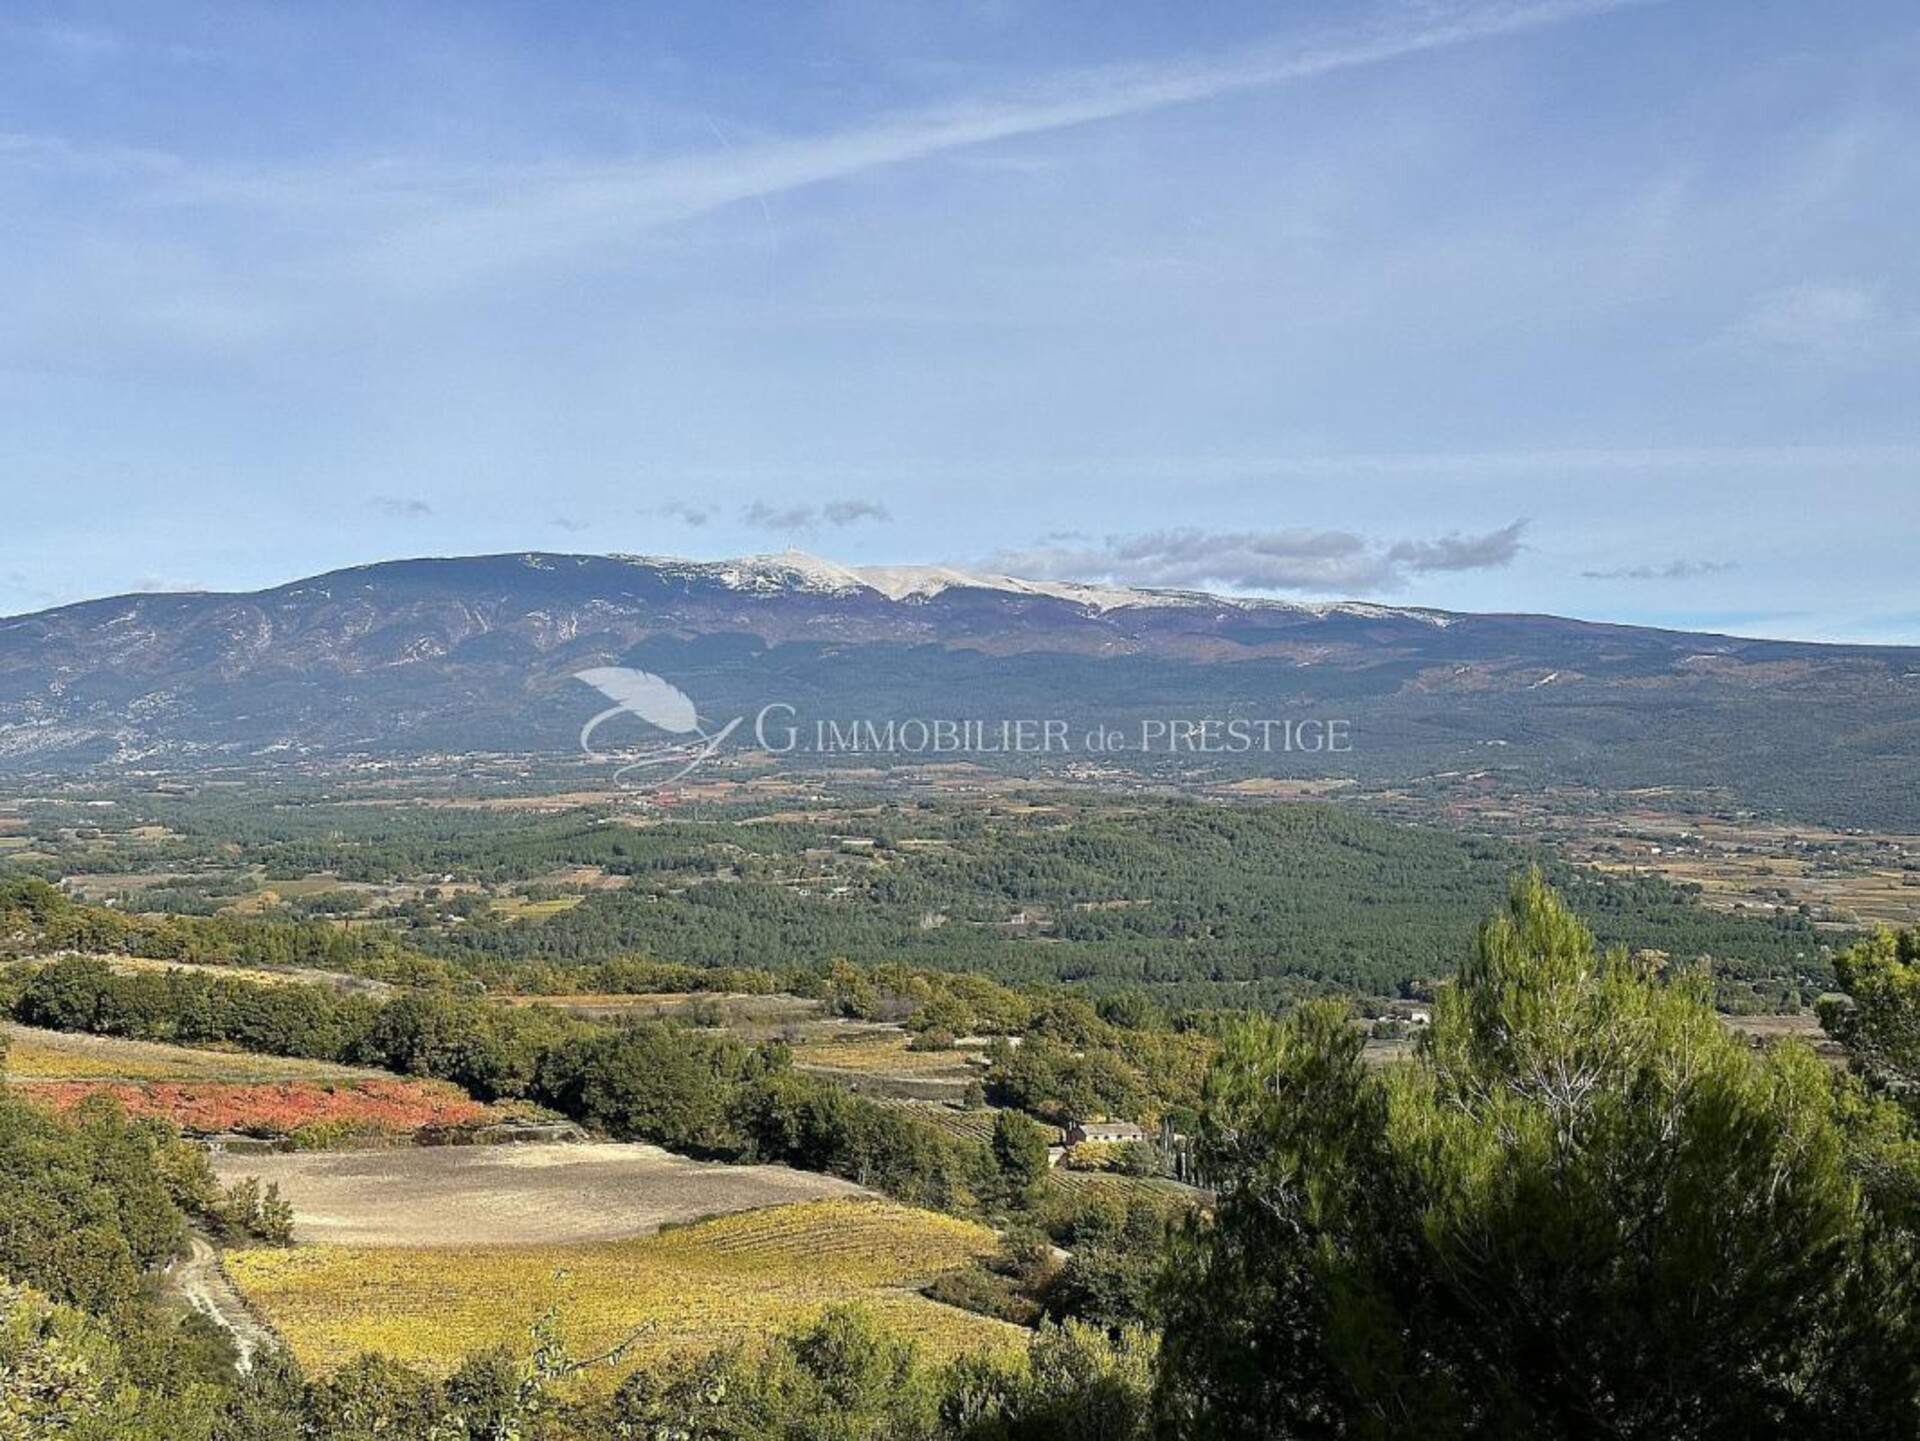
[{"x": 662, "y": 705}]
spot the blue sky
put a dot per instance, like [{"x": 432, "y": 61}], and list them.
[{"x": 1575, "y": 306}]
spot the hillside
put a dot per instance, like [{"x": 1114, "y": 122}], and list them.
[{"x": 437, "y": 657}]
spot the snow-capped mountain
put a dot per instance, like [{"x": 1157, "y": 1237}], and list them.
[
  {"x": 479, "y": 653},
  {"x": 795, "y": 570}
]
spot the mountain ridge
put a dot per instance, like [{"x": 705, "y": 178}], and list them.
[
  {"x": 795, "y": 570},
  {"x": 478, "y": 653},
  {"x": 761, "y": 574}
]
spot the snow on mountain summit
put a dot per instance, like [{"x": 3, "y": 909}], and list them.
[{"x": 792, "y": 571}]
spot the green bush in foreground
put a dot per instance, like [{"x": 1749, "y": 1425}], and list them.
[
  {"x": 1878, "y": 1017},
  {"x": 1583, "y": 1210}
]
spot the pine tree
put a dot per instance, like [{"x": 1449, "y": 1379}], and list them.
[{"x": 1583, "y": 1209}]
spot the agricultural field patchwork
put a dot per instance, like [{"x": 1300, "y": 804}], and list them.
[
  {"x": 1843, "y": 877},
  {"x": 520, "y": 1195},
  {"x": 695, "y": 1288}
]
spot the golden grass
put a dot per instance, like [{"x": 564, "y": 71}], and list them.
[{"x": 697, "y": 1287}]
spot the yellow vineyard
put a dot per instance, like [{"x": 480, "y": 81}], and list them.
[
  {"x": 697, "y": 1287},
  {"x": 975, "y": 1125},
  {"x": 885, "y": 1053},
  {"x": 57, "y": 1056}
]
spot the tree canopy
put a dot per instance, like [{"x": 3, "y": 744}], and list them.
[
  {"x": 1878, "y": 1017},
  {"x": 1582, "y": 1210}
]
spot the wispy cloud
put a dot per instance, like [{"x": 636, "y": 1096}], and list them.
[
  {"x": 787, "y": 517},
  {"x": 765, "y": 515},
  {"x": 85, "y": 46},
  {"x": 597, "y": 203},
  {"x": 1460, "y": 552},
  {"x": 1298, "y": 559},
  {"x": 401, "y": 507},
  {"x": 852, "y": 512},
  {"x": 74, "y": 42},
  {"x": 1826, "y": 321},
  {"x": 405, "y": 229},
  {"x": 1672, "y": 570},
  {"x": 687, "y": 512}
]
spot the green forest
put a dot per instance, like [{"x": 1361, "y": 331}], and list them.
[{"x": 1204, "y": 905}]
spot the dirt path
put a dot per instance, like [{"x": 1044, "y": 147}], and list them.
[{"x": 203, "y": 1284}]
